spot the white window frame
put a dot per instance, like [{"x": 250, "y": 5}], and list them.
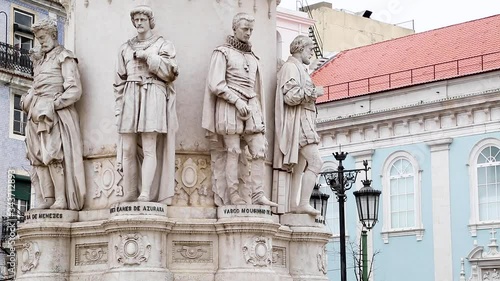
[
  {"x": 418, "y": 228},
  {"x": 474, "y": 222},
  {"x": 14, "y": 33},
  {"x": 12, "y": 135}
]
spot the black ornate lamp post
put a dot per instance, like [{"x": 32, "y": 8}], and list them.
[
  {"x": 340, "y": 181},
  {"x": 367, "y": 200}
]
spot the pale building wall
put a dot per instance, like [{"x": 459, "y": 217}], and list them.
[
  {"x": 289, "y": 24},
  {"x": 340, "y": 30}
]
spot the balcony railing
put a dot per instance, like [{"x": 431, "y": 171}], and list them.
[
  {"x": 439, "y": 71},
  {"x": 15, "y": 59}
]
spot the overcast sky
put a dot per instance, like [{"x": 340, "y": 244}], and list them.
[{"x": 427, "y": 14}]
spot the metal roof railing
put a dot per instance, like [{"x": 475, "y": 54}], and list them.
[{"x": 419, "y": 75}]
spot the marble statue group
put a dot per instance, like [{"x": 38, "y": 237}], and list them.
[{"x": 146, "y": 119}]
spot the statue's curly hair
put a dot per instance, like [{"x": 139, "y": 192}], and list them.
[
  {"x": 145, "y": 10},
  {"x": 46, "y": 24}
]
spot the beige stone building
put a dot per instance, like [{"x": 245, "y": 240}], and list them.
[{"x": 341, "y": 30}]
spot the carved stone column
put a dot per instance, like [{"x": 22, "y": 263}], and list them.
[
  {"x": 246, "y": 245},
  {"x": 308, "y": 244},
  {"x": 42, "y": 251},
  {"x": 138, "y": 248}
]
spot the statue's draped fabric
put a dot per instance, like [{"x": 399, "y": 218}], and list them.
[
  {"x": 53, "y": 129},
  {"x": 295, "y": 114},
  {"x": 145, "y": 102}
]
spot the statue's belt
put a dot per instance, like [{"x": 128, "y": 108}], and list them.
[
  {"x": 241, "y": 93},
  {"x": 143, "y": 80}
]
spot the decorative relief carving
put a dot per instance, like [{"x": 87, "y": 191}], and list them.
[
  {"x": 87, "y": 254},
  {"x": 258, "y": 251},
  {"x": 30, "y": 255},
  {"x": 106, "y": 179},
  {"x": 134, "y": 248},
  {"x": 192, "y": 252},
  {"x": 322, "y": 260},
  {"x": 279, "y": 256},
  {"x": 491, "y": 275},
  {"x": 193, "y": 181}
]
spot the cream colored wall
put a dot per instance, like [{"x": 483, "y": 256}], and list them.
[{"x": 340, "y": 30}]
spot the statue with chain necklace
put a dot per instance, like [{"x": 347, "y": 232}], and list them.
[{"x": 233, "y": 113}]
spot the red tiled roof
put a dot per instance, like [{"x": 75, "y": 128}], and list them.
[{"x": 473, "y": 46}]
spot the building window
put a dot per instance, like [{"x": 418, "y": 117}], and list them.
[
  {"x": 401, "y": 197},
  {"x": 23, "y": 37},
  {"x": 21, "y": 194},
  {"x": 19, "y": 117},
  {"x": 488, "y": 183},
  {"x": 402, "y": 194},
  {"x": 484, "y": 185}
]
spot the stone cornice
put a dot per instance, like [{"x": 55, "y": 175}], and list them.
[
  {"x": 473, "y": 113},
  {"x": 54, "y": 6},
  {"x": 453, "y": 104},
  {"x": 15, "y": 79},
  {"x": 246, "y": 226},
  {"x": 283, "y": 14}
]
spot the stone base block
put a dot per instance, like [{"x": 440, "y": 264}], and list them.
[
  {"x": 192, "y": 212},
  {"x": 302, "y": 220},
  {"x": 246, "y": 275},
  {"x": 139, "y": 274}
]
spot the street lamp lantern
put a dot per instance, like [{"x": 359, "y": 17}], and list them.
[
  {"x": 319, "y": 200},
  {"x": 367, "y": 200}
]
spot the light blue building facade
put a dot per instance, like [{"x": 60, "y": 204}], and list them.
[{"x": 434, "y": 152}]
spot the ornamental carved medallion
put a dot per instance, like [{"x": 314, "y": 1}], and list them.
[
  {"x": 134, "y": 248},
  {"x": 106, "y": 179},
  {"x": 192, "y": 177},
  {"x": 258, "y": 251},
  {"x": 322, "y": 260},
  {"x": 30, "y": 255}
]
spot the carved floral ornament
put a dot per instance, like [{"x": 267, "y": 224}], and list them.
[
  {"x": 133, "y": 249},
  {"x": 258, "y": 251},
  {"x": 87, "y": 254},
  {"x": 322, "y": 260},
  {"x": 30, "y": 256},
  {"x": 106, "y": 179}
]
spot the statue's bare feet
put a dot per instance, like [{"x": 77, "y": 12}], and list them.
[
  {"x": 45, "y": 204},
  {"x": 59, "y": 204},
  {"x": 143, "y": 198},
  {"x": 306, "y": 209},
  {"x": 264, "y": 201},
  {"x": 237, "y": 200}
]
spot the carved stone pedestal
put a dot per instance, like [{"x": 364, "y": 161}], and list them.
[
  {"x": 308, "y": 252},
  {"x": 137, "y": 241},
  {"x": 42, "y": 251},
  {"x": 246, "y": 232}
]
